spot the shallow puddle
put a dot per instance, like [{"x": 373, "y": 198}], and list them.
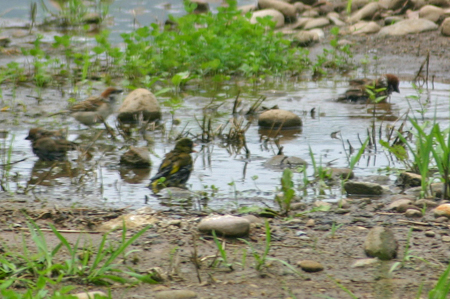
[{"x": 239, "y": 179}]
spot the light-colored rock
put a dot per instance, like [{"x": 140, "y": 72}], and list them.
[
  {"x": 394, "y": 4},
  {"x": 400, "y": 205},
  {"x": 277, "y": 16},
  {"x": 90, "y": 295},
  {"x": 139, "y": 102},
  {"x": 425, "y": 202},
  {"x": 317, "y": 23},
  {"x": 363, "y": 27},
  {"x": 318, "y": 34},
  {"x": 446, "y": 239},
  {"x": 176, "y": 294},
  {"x": 445, "y": 27},
  {"x": 288, "y": 10},
  {"x": 310, "y": 266},
  {"x": 137, "y": 157},
  {"x": 430, "y": 234},
  {"x": 310, "y": 13},
  {"x": 364, "y": 262},
  {"x": 367, "y": 12},
  {"x": 413, "y": 213},
  {"x": 276, "y": 118},
  {"x": 320, "y": 203},
  {"x": 303, "y": 38},
  {"x": 442, "y": 210},
  {"x": 335, "y": 19},
  {"x": 364, "y": 188},
  {"x": 282, "y": 161},
  {"x": 132, "y": 220},
  {"x": 408, "y": 26},
  {"x": 310, "y": 223},
  {"x": 299, "y": 7},
  {"x": 381, "y": 243},
  {"x": 299, "y": 23},
  {"x": 227, "y": 225},
  {"x": 431, "y": 13}
]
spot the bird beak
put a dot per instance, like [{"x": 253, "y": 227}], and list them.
[
  {"x": 28, "y": 137},
  {"x": 397, "y": 89}
]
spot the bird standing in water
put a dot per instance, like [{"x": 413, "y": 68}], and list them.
[
  {"x": 358, "y": 88},
  {"x": 50, "y": 145},
  {"x": 175, "y": 168}
]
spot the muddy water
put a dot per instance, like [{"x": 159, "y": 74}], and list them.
[{"x": 240, "y": 179}]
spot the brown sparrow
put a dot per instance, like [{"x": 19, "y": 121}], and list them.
[
  {"x": 358, "y": 88},
  {"x": 50, "y": 145},
  {"x": 95, "y": 108}
]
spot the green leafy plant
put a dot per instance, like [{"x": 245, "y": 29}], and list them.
[
  {"x": 284, "y": 199},
  {"x": 222, "y": 252}
]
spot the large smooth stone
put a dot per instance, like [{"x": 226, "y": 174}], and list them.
[
  {"x": 276, "y": 118},
  {"x": 139, "y": 101},
  {"x": 431, "y": 13},
  {"x": 288, "y": 10},
  {"x": 363, "y": 188},
  {"x": 381, "y": 243},
  {"x": 227, "y": 225},
  {"x": 137, "y": 157},
  {"x": 363, "y": 27},
  {"x": 367, "y": 12},
  {"x": 277, "y": 16},
  {"x": 408, "y": 26}
]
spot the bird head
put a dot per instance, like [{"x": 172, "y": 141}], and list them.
[
  {"x": 34, "y": 134},
  {"x": 185, "y": 145},
  {"x": 111, "y": 93},
  {"x": 392, "y": 83}
]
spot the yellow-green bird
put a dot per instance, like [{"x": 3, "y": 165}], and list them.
[{"x": 176, "y": 166}]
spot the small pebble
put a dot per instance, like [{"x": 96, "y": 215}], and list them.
[
  {"x": 310, "y": 266},
  {"x": 310, "y": 223},
  {"x": 430, "y": 233},
  {"x": 446, "y": 238}
]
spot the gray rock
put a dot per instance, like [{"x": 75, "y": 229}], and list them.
[
  {"x": 317, "y": 23},
  {"x": 277, "y": 16},
  {"x": 299, "y": 7},
  {"x": 413, "y": 213},
  {"x": 400, "y": 205},
  {"x": 381, "y": 243},
  {"x": 335, "y": 19},
  {"x": 364, "y": 188},
  {"x": 299, "y": 23},
  {"x": 445, "y": 27},
  {"x": 288, "y": 10},
  {"x": 282, "y": 161},
  {"x": 409, "y": 179},
  {"x": 137, "y": 157},
  {"x": 363, "y": 27},
  {"x": 227, "y": 225},
  {"x": 139, "y": 102},
  {"x": 431, "y": 13},
  {"x": 367, "y": 12},
  {"x": 310, "y": 266},
  {"x": 425, "y": 202},
  {"x": 441, "y": 219},
  {"x": 275, "y": 118},
  {"x": 394, "y": 4},
  {"x": 176, "y": 294},
  {"x": 408, "y": 26}
]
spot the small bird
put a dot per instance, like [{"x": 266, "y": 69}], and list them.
[
  {"x": 50, "y": 145},
  {"x": 358, "y": 88},
  {"x": 95, "y": 108},
  {"x": 176, "y": 166}
]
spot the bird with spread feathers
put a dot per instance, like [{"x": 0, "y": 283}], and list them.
[
  {"x": 357, "y": 92},
  {"x": 50, "y": 145},
  {"x": 175, "y": 168},
  {"x": 94, "y": 109}
]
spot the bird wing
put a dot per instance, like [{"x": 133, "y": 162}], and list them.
[
  {"x": 91, "y": 104},
  {"x": 173, "y": 163}
]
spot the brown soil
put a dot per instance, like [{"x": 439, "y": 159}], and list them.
[{"x": 170, "y": 247}]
